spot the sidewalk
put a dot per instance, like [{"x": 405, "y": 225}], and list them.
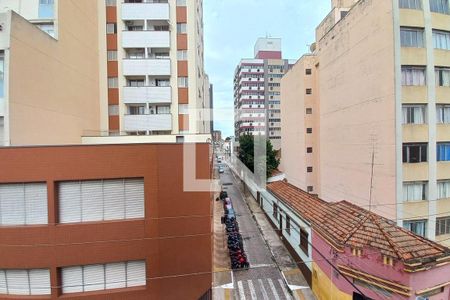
[{"x": 291, "y": 273}]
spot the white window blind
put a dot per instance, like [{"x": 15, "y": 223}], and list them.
[
  {"x": 414, "y": 191},
  {"x": 412, "y": 37},
  {"x": 182, "y": 82},
  {"x": 413, "y": 76},
  {"x": 443, "y": 189},
  {"x": 443, "y": 114},
  {"x": 441, "y": 39},
  {"x": 23, "y": 204},
  {"x": 414, "y": 114},
  {"x": 112, "y": 55},
  {"x": 101, "y": 200},
  {"x": 103, "y": 277},
  {"x": 442, "y": 77},
  {"x": 25, "y": 282},
  {"x": 411, "y": 4},
  {"x": 440, "y": 6}
]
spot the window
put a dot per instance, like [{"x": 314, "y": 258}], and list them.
[
  {"x": 310, "y": 189},
  {"x": 23, "y": 204},
  {"x": 412, "y": 37},
  {"x": 309, "y": 150},
  {"x": 136, "y": 54},
  {"x": 442, "y": 77},
  {"x": 288, "y": 225},
  {"x": 48, "y": 28},
  {"x": 443, "y": 114},
  {"x": 111, "y": 2},
  {"x": 442, "y": 226},
  {"x": 163, "y": 109},
  {"x": 182, "y": 55},
  {"x": 387, "y": 260},
  {"x": 414, "y": 114},
  {"x": 183, "y": 82},
  {"x": 444, "y": 189},
  {"x": 103, "y": 277},
  {"x": 443, "y": 152},
  {"x": 415, "y": 153},
  {"x": 183, "y": 109},
  {"x": 309, "y": 169},
  {"x": 441, "y": 39},
  {"x": 100, "y": 200},
  {"x": 304, "y": 244},
  {"x": 112, "y": 55},
  {"x": 439, "y": 6},
  {"x": 309, "y": 111},
  {"x": 275, "y": 211},
  {"x": 111, "y": 28},
  {"x": 2, "y": 73},
  {"x": 308, "y": 91},
  {"x": 136, "y": 82},
  {"x": 25, "y": 282},
  {"x": 414, "y": 191},
  {"x": 413, "y": 76},
  {"x": 113, "y": 82},
  {"x": 308, "y": 71},
  {"x": 113, "y": 110},
  {"x": 46, "y": 8},
  {"x": 181, "y": 2},
  {"x": 181, "y": 28},
  {"x": 136, "y": 110},
  {"x": 411, "y": 4},
  {"x": 309, "y": 130},
  {"x": 419, "y": 227}
]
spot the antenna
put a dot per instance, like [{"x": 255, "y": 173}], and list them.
[{"x": 371, "y": 175}]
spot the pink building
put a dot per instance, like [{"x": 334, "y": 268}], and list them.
[{"x": 358, "y": 253}]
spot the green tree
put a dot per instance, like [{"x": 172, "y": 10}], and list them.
[{"x": 246, "y": 154}]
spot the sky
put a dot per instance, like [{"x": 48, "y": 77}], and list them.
[{"x": 232, "y": 28}]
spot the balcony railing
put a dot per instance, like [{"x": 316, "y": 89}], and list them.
[
  {"x": 147, "y": 94},
  {"x": 146, "y": 66},
  {"x": 146, "y": 11},
  {"x": 156, "y": 122},
  {"x": 146, "y": 39}
]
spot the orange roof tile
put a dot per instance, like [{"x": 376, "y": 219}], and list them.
[{"x": 345, "y": 224}]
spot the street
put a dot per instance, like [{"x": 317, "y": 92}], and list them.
[{"x": 263, "y": 280}]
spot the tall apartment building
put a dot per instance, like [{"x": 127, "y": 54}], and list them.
[
  {"x": 373, "y": 103},
  {"x": 153, "y": 71},
  {"x": 257, "y": 91}
]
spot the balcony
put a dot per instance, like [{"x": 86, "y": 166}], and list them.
[
  {"x": 146, "y": 39},
  {"x": 147, "y": 94},
  {"x": 139, "y": 67},
  {"x": 162, "y": 122},
  {"x": 145, "y": 11}
]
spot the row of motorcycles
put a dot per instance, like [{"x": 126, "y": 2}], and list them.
[{"x": 235, "y": 243}]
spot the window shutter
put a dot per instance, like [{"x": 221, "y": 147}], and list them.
[
  {"x": 36, "y": 203},
  {"x": 136, "y": 273},
  {"x": 94, "y": 277},
  {"x": 72, "y": 280},
  {"x": 92, "y": 201},
  {"x": 17, "y": 282},
  {"x": 40, "y": 282},
  {"x": 115, "y": 276},
  {"x": 3, "y": 289},
  {"x": 70, "y": 202},
  {"x": 134, "y": 198},
  {"x": 114, "y": 197},
  {"x": 12, "y": 204}
]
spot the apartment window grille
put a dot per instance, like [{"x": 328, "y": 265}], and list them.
[
  {"x": 444, "y": 189},
  {"x": 182, "y": 55},
  {"x": 308, "y": 91},
  {"x": 309, "y": 111},
  {"x": 112, "y": 55},
  {"x": 113, "y": 82},
  {"x": 304, "y": 244},
  {"x": 136, "y": 82},
  {"x": 181, "y": 28},
  {"x": 310, "y": 189},
  {"x": 440, "y": 6},
  {"x": 136, "y": 110},
  {"x": 419, "y": 227},
  {"x": 414, "y": 114},
  {"x": 101, "y": 200},
  {"x": 413, "y": 76},
  {"x": 30, "y": 282},
  {"x": 443, "y": 114},
  {"x": 23, "y": 204},
  {"x": 442, "y": 226},
  {"x": 415, "y": 153},
  {"x": 308, "y": 71},
  {"x": 412, "y": 37},
  {"x": 275, "y": 211},
  {"x": 183, "y": 82},
  {"x": 111, "y": 28},
  {"x": 443, "y": 152},
  {"x": 411, "y": 4},
  {"x": 309, "y": 169},
  {"x": 443, "y": 77},
  {"x": 111, "y": 2},
  {"x": 46, "y": 9},
  {"x": 181, "y": 2},
  {"x": 414, "y": 191},
  {"x": 309, "y": 150},
  {"x": 165, "y": 109},
  {"x": 113, "y": 110},
  {"x": 309, "y": 130},
  {"x": 78, "y": 279},
  {"x": 288, "y": 225},
  {"x": 441, "y": 39}
]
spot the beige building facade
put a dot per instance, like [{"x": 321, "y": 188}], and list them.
[{"x": 380, "y": 116}]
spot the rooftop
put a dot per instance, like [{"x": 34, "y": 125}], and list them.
[{"x": 345, "y": 224}]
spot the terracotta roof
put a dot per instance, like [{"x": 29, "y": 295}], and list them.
[{"x": 345, "y": 224}]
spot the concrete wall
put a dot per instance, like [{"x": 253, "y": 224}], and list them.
[
  {"x": 357, "y": 107},
  {"x": 54, "y": 84}
]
